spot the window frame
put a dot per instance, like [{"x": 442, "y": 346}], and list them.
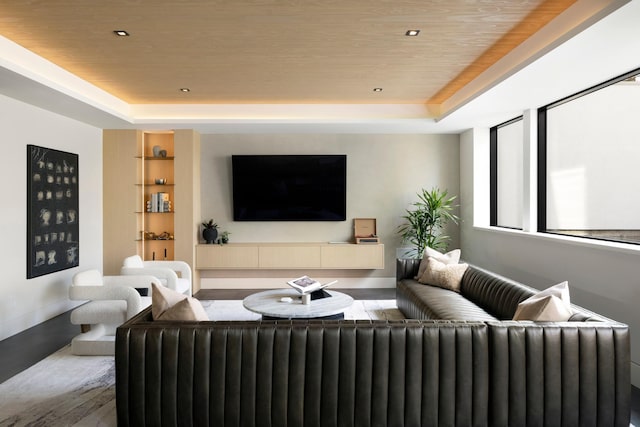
[
  {"x": 493, "y": 173},
  {"x": 542, "y": 156}
]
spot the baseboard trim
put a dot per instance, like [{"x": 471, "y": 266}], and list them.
[{"x": 280, "y": 282}]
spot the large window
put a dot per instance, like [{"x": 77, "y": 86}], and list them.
[
  {"x": 506, "y": 174},
  {"x": 589, "y": 163}
]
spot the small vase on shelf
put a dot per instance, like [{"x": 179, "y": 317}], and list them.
[{"x": 210, "y": 232}]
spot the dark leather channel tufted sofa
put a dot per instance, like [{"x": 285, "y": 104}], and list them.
[
  {"x": 301, "y": 373},
  {"x": 573, "y": 373},
  {"x": 378, "y": 373}
]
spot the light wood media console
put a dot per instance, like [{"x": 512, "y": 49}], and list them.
[{"x": 289, "y": 256}]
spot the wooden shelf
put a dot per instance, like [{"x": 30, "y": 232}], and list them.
[
  {"x": 289, "y": 256},
  {"x": 155, "y": 158},
  {"x": 160, "y": 167},
  {"x": 130, "y": 171},
  {"x": 140, "y": 212}
]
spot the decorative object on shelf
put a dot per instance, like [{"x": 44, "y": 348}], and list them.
[
  {"x": 364, "y": 230},
  {"x": 159, "y": 202},
  {"x": 163, "y": 153},
  {"x": 426, "y": 221},
  {"x": 224, "y": 237},
  {"x": 148, "y": 235},
  {"x": 156, "y": 150},
  {"x": 210, "y": 231},
  {"x": 52, "y": 211},
  {"x": 165, "y": 235},
  {"x": 161, "y": 181}
]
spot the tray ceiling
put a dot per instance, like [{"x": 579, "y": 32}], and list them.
[{"x": 275, "y": 51}]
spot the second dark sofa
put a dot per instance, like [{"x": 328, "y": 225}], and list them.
[
  {"x": 571, "y": 373},
  {"x": 483, "y": 296}
]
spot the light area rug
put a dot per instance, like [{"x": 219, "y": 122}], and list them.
[
  {"x": 61, "y": 390},
  {"x": 68, "y": 390},
  {"x": 360, "y": 309}
]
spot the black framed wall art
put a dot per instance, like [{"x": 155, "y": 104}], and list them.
[{"x": 52, "y": 211}]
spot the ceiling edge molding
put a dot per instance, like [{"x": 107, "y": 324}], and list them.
[
  {"x": 577, "y": 18},
  {"x": 340, "y": 112},
  {"x": 30, "y": 66},
  {"x": 299, "y": 126}
]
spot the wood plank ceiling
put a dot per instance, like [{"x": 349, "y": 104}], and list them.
[{"x": 275, "y": 51}]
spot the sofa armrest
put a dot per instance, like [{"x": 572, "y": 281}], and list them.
[
  {"x": 406, "y": 268},
  {"x": 569, "y": 371},
  {"x": 133, "y": 281},
  {"x": 167, "y": 275},
  {"x": 109, "y": 293},
  {"x": 177, "y": 266}
]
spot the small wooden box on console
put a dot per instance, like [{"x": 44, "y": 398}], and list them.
[
  {"x": 365, "y": 231},
  {"x": 264, "y": 256}
]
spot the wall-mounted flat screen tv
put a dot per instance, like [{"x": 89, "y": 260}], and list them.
[{"x": 289, "y": 187}]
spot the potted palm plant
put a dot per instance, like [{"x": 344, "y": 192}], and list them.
[
  {"x": 426, "y": 220},
  {"x": 210, "y": 231}
]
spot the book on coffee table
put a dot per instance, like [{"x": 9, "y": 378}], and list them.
[{"x": 306, "y": 284}]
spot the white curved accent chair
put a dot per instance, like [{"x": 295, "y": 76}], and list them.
[
  {"x": 166, "y": 271},
  {"x": 112, "y": 301}
]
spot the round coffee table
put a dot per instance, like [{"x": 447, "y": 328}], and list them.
[{"x": 270, "y": 305}]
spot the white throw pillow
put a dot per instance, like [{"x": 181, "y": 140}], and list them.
[
  {"x": 551, "y": 305},
  {"x": 451, "y": 257},
  {"x": 167, "y": 304},
  {"x": 446, "y": 276}
]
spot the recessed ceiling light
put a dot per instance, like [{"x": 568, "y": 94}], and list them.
[
  {"x": 121, "y": 33},
  {"x": 185, "y": 89},
  {"x": 412, "y": 33},
  {"x": 377, "y": 89}
]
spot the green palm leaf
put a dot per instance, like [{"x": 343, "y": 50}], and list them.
[{"x": 426, "y": 219}]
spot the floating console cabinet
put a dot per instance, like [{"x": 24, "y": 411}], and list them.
[{"x": 289, "y": 256}]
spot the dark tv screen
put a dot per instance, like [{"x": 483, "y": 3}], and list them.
[{"x": 289, "y": 187}]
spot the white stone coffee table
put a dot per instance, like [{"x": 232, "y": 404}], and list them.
[{"x": 270, "y": 305}]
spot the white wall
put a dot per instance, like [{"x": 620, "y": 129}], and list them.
[
  {"x": 603, "y": 277},
  {"x": 384, "y": 173},
  {"x": 25, "y": 303}
]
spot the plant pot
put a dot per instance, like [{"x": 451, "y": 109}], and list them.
[{"x": 210, "y": 235}]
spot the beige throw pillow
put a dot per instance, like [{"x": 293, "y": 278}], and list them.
[
  {"x": 451, "y": 257},
  {"x": 187, "y": 309},
  {"x": 167, "y": 304},
  {"x": 448, "y": 276},
  {"x": 551, "y": 305}
]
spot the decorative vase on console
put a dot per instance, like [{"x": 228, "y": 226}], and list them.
[{"x": 210, "y": 231}]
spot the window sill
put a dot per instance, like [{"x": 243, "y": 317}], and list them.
[{"x": 570, "y": 240}]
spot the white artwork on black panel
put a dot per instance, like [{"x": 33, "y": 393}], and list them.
[
  {"x": 45, "y": 217},
  {"x": 53, "y": 211}
]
